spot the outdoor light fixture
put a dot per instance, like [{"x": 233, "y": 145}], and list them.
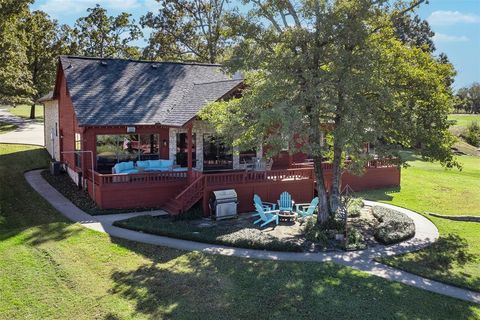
[{"x": 164, "y": 142}]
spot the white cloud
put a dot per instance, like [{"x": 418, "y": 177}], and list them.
[
  {"x": 447, "y": 18},
  {"x": 440, "y": 37},
  {"x": 57, "y": 8}
]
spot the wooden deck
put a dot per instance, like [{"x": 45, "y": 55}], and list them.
[{"x": 177, "y": 191}]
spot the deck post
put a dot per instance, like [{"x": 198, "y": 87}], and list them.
[{"x": 189, "y": 153}]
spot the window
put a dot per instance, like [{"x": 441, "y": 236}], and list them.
[
  {"x": 247, "y": 156},
  {"x": 181, "y": 156},
  {"x": 216, "y": 155},
  {"x": 125, "y": 147},
  {"x": 78, "y": 147}
]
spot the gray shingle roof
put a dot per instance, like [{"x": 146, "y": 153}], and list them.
[{"x": 127, "y": 92}]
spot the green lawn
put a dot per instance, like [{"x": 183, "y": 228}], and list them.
[
  {"x": 24, "y": 111},
  {"x": 463, "y": 120},
  {"x": 51, "y": 268},
  {"x": 427, "y": 187},
  {"x": 7, "y": 127}
]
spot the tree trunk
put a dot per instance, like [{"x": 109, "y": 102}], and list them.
[
  {"x": 335, "y": 190},
  {"x": 323, "y": 208},
  {"x": 32, "y": 111}
]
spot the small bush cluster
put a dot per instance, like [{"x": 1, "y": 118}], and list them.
[
  {"x": 472, "y": 134},
  {"x": 355, "y": 206},
  {"x": 313, "y": 232},
  {"x": 322, "y": 233},
  {"x": 393, "y": 227},
  {"x": 355, "y": 240}
]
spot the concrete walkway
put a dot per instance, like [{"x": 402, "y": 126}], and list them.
[
  {"x": 426, "y": 234},
  {"x": 28, "y": 131}
]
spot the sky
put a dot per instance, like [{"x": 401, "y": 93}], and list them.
[{"x": 456, "y": 24}]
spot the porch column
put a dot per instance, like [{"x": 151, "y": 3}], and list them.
[{"x": 189, "y": 152}]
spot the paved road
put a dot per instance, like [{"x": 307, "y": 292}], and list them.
[
  {"x": 426, "y": 233},
  {"x": 28, "y": 131}
]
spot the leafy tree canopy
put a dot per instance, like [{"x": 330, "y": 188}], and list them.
[
  {"x": 189, "y": 30},
  {"x": 15, "y": 78},
  {"x": 100, "y": 35},
  {"x": 468, "y": 98},
  {"x": 43, "y": 44}
]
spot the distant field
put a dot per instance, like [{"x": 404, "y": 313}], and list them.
[
  {"x": 462, "y": 121},
  {"x": 24, "y": 111}
]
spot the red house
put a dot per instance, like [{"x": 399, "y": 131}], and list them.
[{"x": 129, "y": 133}]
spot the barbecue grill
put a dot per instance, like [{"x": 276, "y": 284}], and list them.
[{"x": 223, "y": 204}]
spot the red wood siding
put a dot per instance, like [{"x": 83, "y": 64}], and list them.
[
  {"x": 135, "y": 195},
  {"x": 67, "y": 122}
]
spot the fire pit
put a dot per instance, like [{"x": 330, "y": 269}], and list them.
[{"x": 287, "y": 216}]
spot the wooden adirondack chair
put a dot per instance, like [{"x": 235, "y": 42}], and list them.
[
  {"x": 266, "y": 217},
  {"x": 264, "y": 204},
  {"x": 306, "y": 209},
  {"x": 285, "y": 203}
]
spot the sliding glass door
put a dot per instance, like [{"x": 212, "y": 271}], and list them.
[
  {"x": 216, "y": 154},
  {"x": 113, "y": 148}
]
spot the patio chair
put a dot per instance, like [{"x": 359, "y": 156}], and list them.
[
  {"x": 306, "y": 209},
  {"x": 266, "y": 217},
  {"x": 285, "y": 203},
  {"x": 264, "y": 204}
]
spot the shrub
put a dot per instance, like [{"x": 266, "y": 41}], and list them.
[
  {"x": 314, "y": 232},
  {"x": 472, "y": 134},
  {"x": 394, "y": 226},
  {"x": 355, "y": 206},
  {"x": 355, "y": 240}
]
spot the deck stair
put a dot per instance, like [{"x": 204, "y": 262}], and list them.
[{"x": 187, "y": 198}]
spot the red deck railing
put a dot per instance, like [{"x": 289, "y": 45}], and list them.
[
  {"x": 228, "y": 178},
  {"x": 139, "y": 178},
  {"x": 376, "y": 163}
]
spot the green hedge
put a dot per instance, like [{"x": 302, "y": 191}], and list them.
[{"x": 394, "y": 226}]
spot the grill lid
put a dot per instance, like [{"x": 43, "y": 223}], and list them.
[{"x": 225, "y": 194}]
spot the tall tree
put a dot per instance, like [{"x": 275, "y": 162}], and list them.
[
  {"x": 100, "y": 35},
  {"x": 188, "y": 29},
  {"x": 413, "y": 30},
  {"x": 336, "y": 67},
  {"x": 43, "y": 47},
  {"x": 468, "y": 98},
  {"x": 15, "y": 83}
]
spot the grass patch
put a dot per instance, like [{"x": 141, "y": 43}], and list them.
[
  {"x": 23, "y": 111},
  {"x": 80, "y": 197},
  {"x": 427, "y": 187},
  {"x": 228, "y": 234},
  {"x": 54, "y": 269},
  {"x": 463, "y": 120},
  {"x": 7, "y": 127}
]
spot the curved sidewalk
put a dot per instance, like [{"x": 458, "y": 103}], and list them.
[
  {"x": 28, "y": 131},
  {"x": 426, "y": 234}
]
